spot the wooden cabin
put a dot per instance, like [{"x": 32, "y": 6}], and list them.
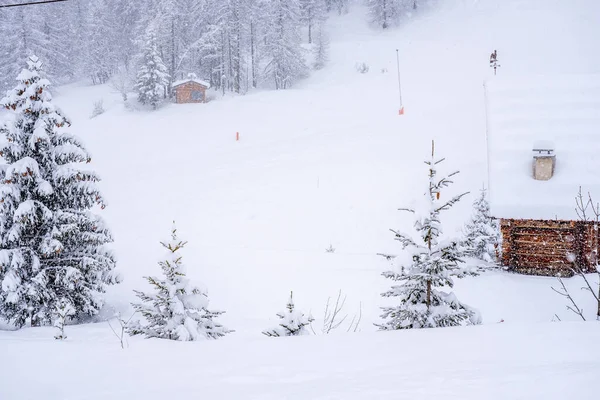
[
  {"x": 543, "y": 138},
  {"x": 190, "y": 91}
]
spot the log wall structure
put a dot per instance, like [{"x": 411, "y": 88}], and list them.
[
  {"x": 190, "y": 92},
  {"x": 538, "y": 247}
]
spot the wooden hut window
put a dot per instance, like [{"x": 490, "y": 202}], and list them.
[{"x": 197, "y": 95}]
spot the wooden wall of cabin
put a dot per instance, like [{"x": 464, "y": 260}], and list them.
[
  {"x": 590, "y": 245},
  {"x": 183, "y": 93},
  {"x": 541, "y": 247}
]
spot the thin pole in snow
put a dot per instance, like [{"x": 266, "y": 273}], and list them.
[
  {"x": 401, "y": 109},
  {"x": 31, "y": 3}
]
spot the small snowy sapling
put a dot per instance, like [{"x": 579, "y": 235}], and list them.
[
  {"x": 482, "y": 233},
  {"x": 494, "y": 61},
  {"x": 177, "y": 310},
  {"x": 98, "y": 108},
  {"x": 293, "y": 322},
  {"x": 362, "y": 67},
  {"x": 432, "y": 263}
]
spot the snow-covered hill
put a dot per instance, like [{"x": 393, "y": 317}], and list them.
[{"x": 328, "y": 162}]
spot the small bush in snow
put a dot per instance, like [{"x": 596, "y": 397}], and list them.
[
  {"x": 98, "y": 108},
  {"x": 334, "y": 317},
  {"x": 362, "y": 67},
  {"x": 330, "y": 249},
  {"x": 63, "y": 311},
  {"x": 293, "y": 322},
  {"x": 177, "y": 310}
]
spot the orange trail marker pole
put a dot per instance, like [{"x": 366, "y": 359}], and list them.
[
  {"x": 237, "y": 136},
  {"x": 401, "y": 109}
]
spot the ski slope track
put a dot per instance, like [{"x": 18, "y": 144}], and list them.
[{"x": 328, "y": 162}]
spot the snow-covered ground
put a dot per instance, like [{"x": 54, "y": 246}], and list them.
[
  {"x": 328, "y": 162},
  {"x": 500, "y": 361}
]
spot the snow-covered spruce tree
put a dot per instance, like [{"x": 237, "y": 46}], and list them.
[
  {"x": 384, "y": 13},
  {"x": 293, "y": 322},
  {"x": 482, "y": 233},
  {"x": 286, "y": 64},
  {"x": 313, "y": 13},
  {"x": 432, "y": 265},
  {"x": 321, "y": 47},
  {"x": 152, "y": 78},
  {"x": 177, "y": 310},
  {"x": 51, "y": 244}
]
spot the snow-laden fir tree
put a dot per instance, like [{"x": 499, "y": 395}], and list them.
[
  {"x": 152, "y": 77},
  {"x": 431, "y": 265},
  {"x": 313, "y": 13},
  {"x": 63, "y": 311},
  {"x": 482, "y": 233},
  {"x": 177, "y": 310},
  {"x": 51, "y": 244},
  {"x": 293, "y": 322},
  {"x": 384, "y": 13},
  {"x": 286, "y": 64},
  {"x": 321, "y": 47}
]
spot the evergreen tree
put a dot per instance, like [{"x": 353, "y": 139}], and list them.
[
  {"x": 432, "y": 265},
  {"x": 321, "y": 47},
  {"x": 482, "y": 233},
  {"x": 286, "y": 63},
  {"x": 177, "y": 310},
  {"x": 384, "y": 13},
  {"x": 100, "y": 49},
  {"x": 293, "y": 322},
  {"x": 313, "y": 13},
  {"x": 22, "y": 36},
  {"x": 152, "y": 78},
  {"x": 51, "y": 244}
]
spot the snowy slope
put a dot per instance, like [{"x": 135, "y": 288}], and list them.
[{"x": 327, "y": 162}]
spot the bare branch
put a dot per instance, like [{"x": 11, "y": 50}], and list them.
[{"x": 565, "y": 293}]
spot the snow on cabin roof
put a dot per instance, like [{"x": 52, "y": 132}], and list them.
[
  {"x": 198, "y": 81},
  {"x": 559, "y": 113}
]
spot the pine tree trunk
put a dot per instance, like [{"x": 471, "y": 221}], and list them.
[
  {"x": 428, "y": 294},
  {"x": 385, "y": 25},
  {"x": 253, "y": 61},
  {"x": 172, "y": 78}
]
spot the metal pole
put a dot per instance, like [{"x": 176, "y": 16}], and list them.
[{"x": 401, "y": 109}]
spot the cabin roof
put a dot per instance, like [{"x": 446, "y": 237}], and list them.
[
  {"x": 561, "y": 113},
  {"x": 198, "y": 81}
]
